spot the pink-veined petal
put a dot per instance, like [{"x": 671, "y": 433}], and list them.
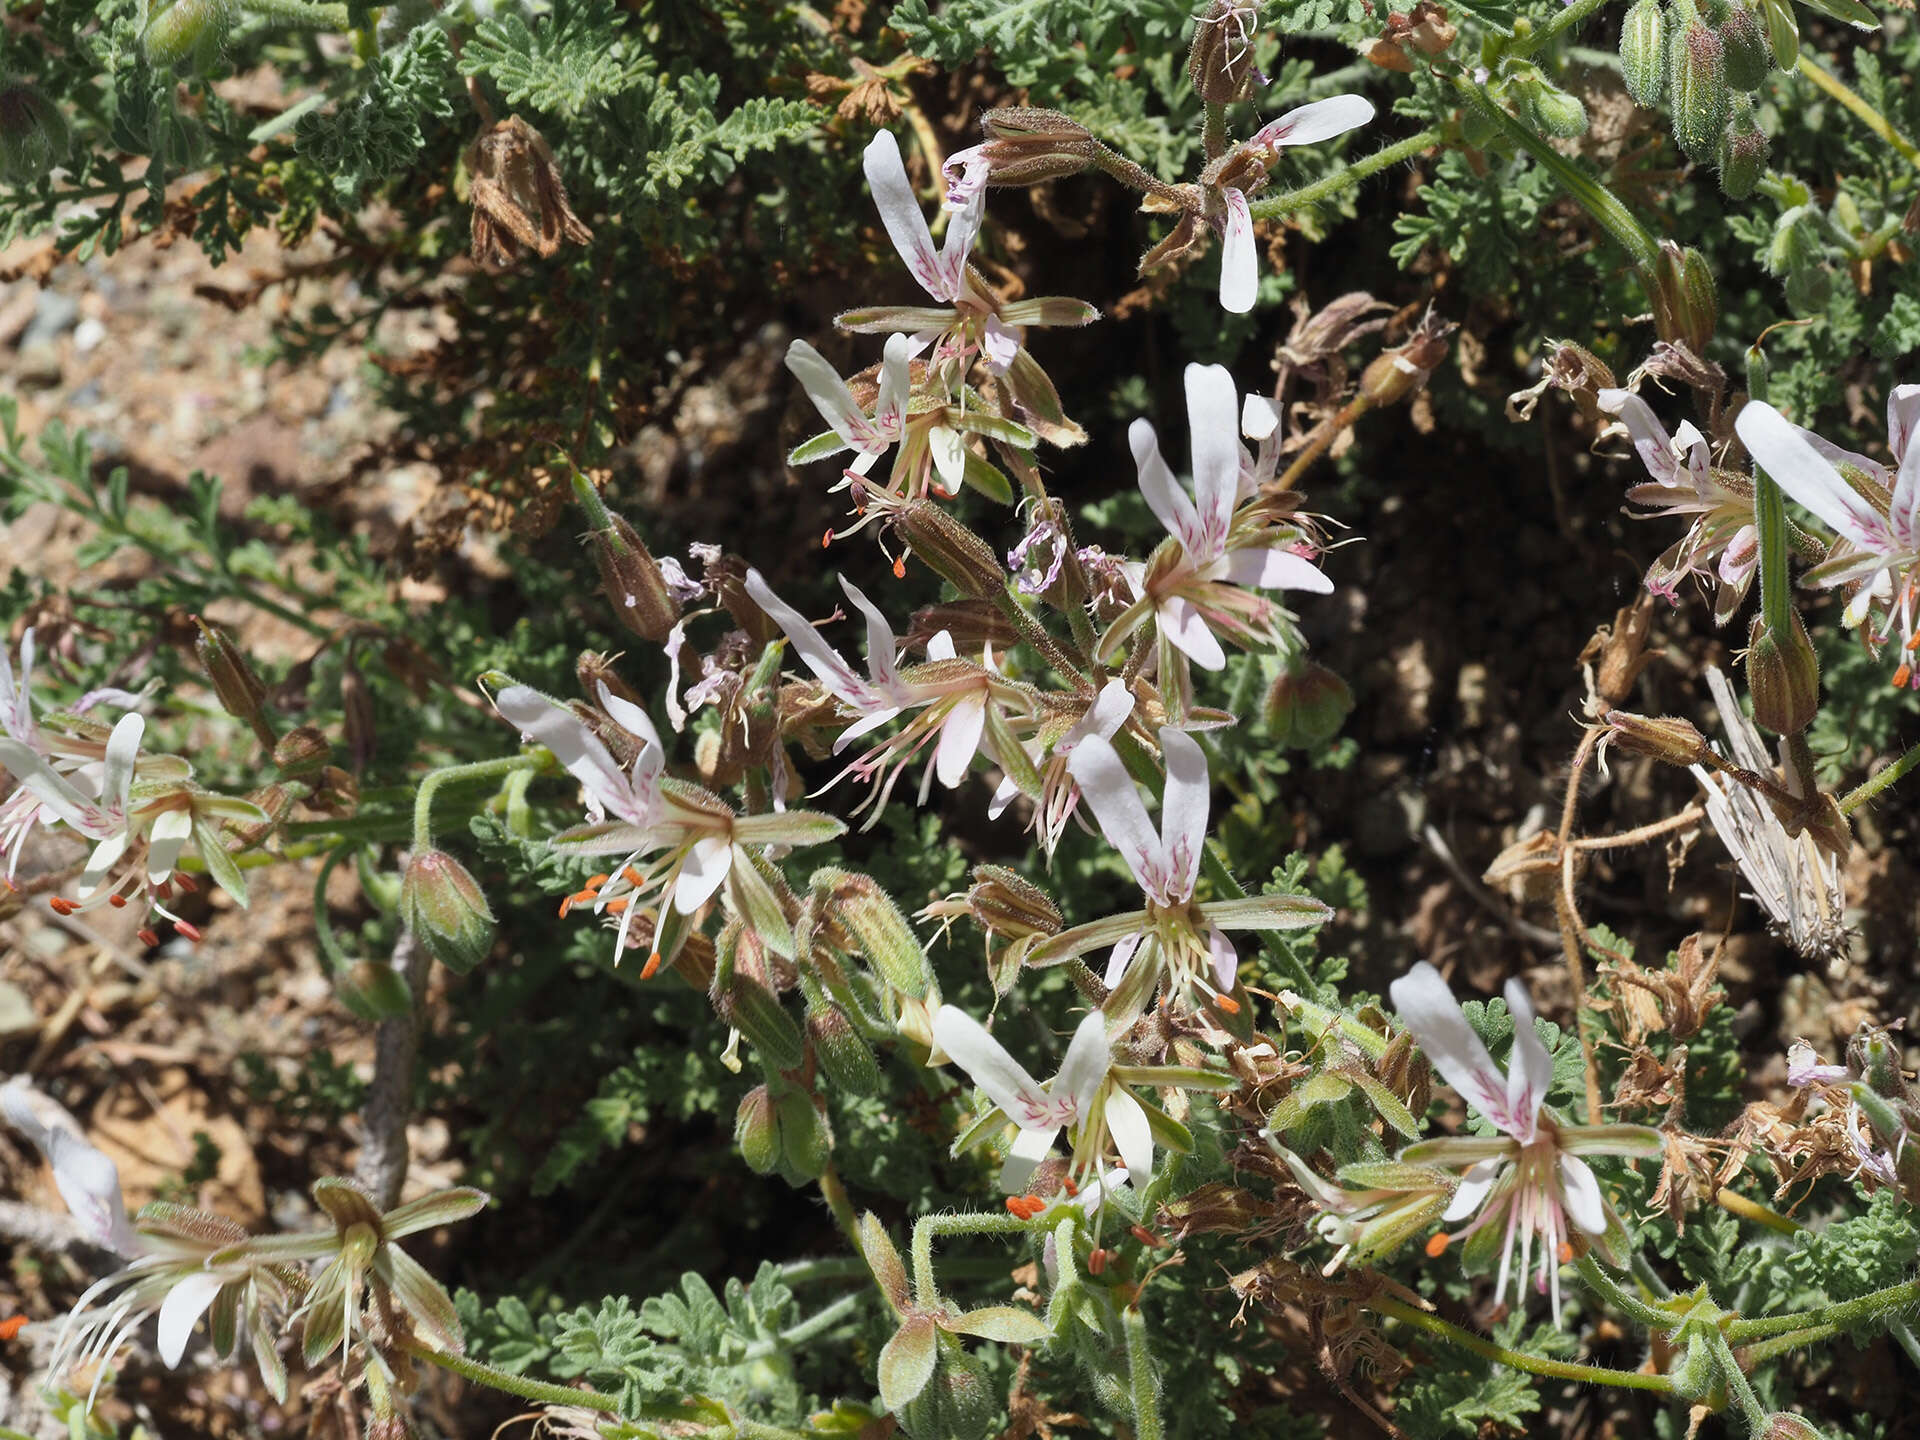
[
  {"x": 1211, "y": 403},
  {"x": 890, "y": 409},
  {"x": 815, "y": 653},
  {"x": 883, "y": 650},
  {"x": 1778, "y": 448},
  {"x": 1650, "y": 439},
  {"x": 1225, "y": 960},
  {"x": 1121, "y": 957},
  {"x": 1275, "y": 569},
  {"x": 165, "y": 840},
  {"x": 1182, "y": 623},
  {"x": 186, "y": 1302},
  {"x": 1581, "y": 1192},
  {"x": 1903, "y": 423},
  {"x": 702, "y": 872},
  {"x": 1314, "y": 122},
  {"x": 963, "y": 226},
  {"x": 1132, "y": 1135},
  {"x": 899, "y": 211},
  {"x": 1085, "y": 1067},
  {"x": 1428, "y": 1009},
  {"x": 1239, "y": 266},
  {"x": 52, "y": 789},
  {"x": 987, "y": 1063},
  {"x": 827, "y": 390},
  {"x": 1109, "y": 790},
  {"x": 1904, "y": 512},
  {"x": 1164, "y": 495},
  {"x": 1183, "y": 811},
  {"x": 960, "y": 736},
  {"x": 1529, "y": 1067},
  {"x": 965, "y": 173}
]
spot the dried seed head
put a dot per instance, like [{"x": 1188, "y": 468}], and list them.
[
  {"x": 1666, "y": 738},
  {"x": 1004, "y": 903},
  {"x": 1397, "y": 373},
  {"x": 629, "y": 575},
  {"x": 240, "y": 692},
  {"x": 1220, "y": 64},
  {"x": 1686, "y": 304},
  {"x": 519, "y": 201},
  {"x": 301, "y": 751}
]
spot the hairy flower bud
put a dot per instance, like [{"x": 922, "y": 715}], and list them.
[
  {"x": 1024, "y": 145},
  {"x": 756, "y": 1130},
  {"x": 1686, "y": 304},
  {"x": 1745, "y": 40},
  {"x": 1697, "y": 78},
  {"x": 1643, "y": 51},
  {"x": 1784, "y": 1425},
  {"x": 1743, "y": 153},
  {"x": 1552, "y": 110},
  {"x": 1693, "y": 1371},
  {"x": 877, "y": 928},
  {"x": 1665, "y": 738},
  {"x": 301, "y": 751},
  {"x": 757, "y": 1013},
  {"x": 1220, "y": 64},
  {"x": 1783, "y": 674},
  {"x": 1874, "y": 1058},
  {"x": 1307, "y": 705},
  {"x": 952, "y": 551},
  {"x": 446, "y": 910},
  {"x": 235, "y": 685},
  {"x": 184, "y": 32},
  {"x": 33, "y": 133},
  {"x": 806, "y": 1139},
  {"x": 629, "y": 575},
  {"x": 372, "y": 990},
  {"x": 846, "y": 1058}
]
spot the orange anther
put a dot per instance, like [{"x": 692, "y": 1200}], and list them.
[
  {"x": 60, "y": 905},
  {"x": 164, "y": 890},
  {"x": 900, "y": 568},
  {"x": 633, "y": 877},
  {"x": 827, "y": 539},
  {"x": 652, "y": 967},
  {"x": 1566, "y": 1253},
  {"x": 118, "y": 901},
  {"x": 186, "y": 883},
  {"x": 565, "y": 906},
  {"x": 1025, "y": 1207},
  {"x": 614, "y": 907},
  {"x": 148, "y": 938},
  {"x": 1069, "y": 1186},
  {"x": 12, "y": 1326},
  {"x": 1145, "y": 1236},
  {"x": 1902, "y": 676},
  {"x": 1226, "y": 1004},
  {"x": 1913, "y": 641},
  {"x": 192, "y": 932},
  {"x": 1097, "y": 1262},
  {"x": 1437, "y": 1245},
  {"x": 594, "y": 882}
]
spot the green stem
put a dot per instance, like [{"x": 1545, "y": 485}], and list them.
[
  {"x": 1860, "y": 109},
  {"x": 926, "y": 1291},
  {"x": 299, "y": 12},
  {"x": 1558, "y": 25},
  {"x": 1845, "y": 1315},
  {"x": 1213, "y": 134},
  {"x": 1788, "y": 1343},
  {"x": 1741, "y": 1388},
  {"x": 1622, "y": 1299},
  {"x": 1141, "y": 1381},
  {"x": 834, "y": 1192},
  {"x": 1873, "y": 785},
  {"x": 1515, "y": 1359},
  {"x": 453, "y": 774},
  {"x": 1035, "y": 634},
  {"x": 535, "y": 1390},
  {"x": 816, "y": 1324},
  {"x": 1275, "y": 942},
  {"x": 1275, "y": 206},
  {"x": 1598, "y": 201}
]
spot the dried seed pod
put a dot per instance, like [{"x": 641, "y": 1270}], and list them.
[{"x": 1220, "y": 64}]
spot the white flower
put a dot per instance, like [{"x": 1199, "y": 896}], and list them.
[
  {"x": 869, "y": 436},
  {"x": 1080, "y": 1099},
  {"x": 1059, "y": 791},
  {"x": 87, "y": 1180},
  {"x": 1797, "y": 883},
  {"x": 1196, "y": 589},
  {"x": 1308, "y": 125},
  {"x": 1529, "y": 1185},
  {"x": 1879, "y": 523}
]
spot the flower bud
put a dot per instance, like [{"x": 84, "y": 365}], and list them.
[
  {"x": 1004, "y": 903},
  {"x": 238, "y": 689},
  {"x": 1783, "y": 675},
  {"x": 1395, "y": 374},
  {"x": 756, "y": 1130},
  {"x": 445, "y": 909},
  {"x": 806, "y": 1139},
  {"x": 1784, "y": 1425},
  {"x": 1665, "y": 738},
  {"x": 1875, "y": 1059},
  {"x": 1024, "y": 145},
  {"x": 956, "y": 1402},
  {"x": 184, "y": 32},
  {"x": 878, "y": 928},
  {"x": 1643, "y": 51},
  {"x": 1307, "y": 705},
  {"x": 1686, "y": 305},
  {"x": 1882, "y": 1117},
  {"x": 372, "y": 990},
  {"x": 276, "y": 802},
  {"x": 1220, "y": 64},
  {"x": 1743, "y": 153},
  {"x": 1553, "y": 111},
  {"x": 952, "y": 551},
  {"x": 1745, "y": 41},
  {"x": 1697, "y": 76},
  {"x": 301, "y": 751},
  {"x": 846, "y": 1058},
  {"x": 756, "y": 1013},
  {"x": 629, "y": 575},
  {"x": 33, "y": 134}
]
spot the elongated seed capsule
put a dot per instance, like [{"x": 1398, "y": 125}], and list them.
[
  {"x": 1745, "y": 39},
  {"x": 1643, "y": 51},
  {"x": 1700, "y": 95}
]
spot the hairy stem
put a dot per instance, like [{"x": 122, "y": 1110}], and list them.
[
  {"x": 1141, "y": 1382},
  {"x": 1623, "y": 1299},
  {"x": 535, "y": 1390},
  {"x": 478, "y": 770},
  {"x": 298, "y": 12},
  {"x": 1578, "y": 11},
  {"x": 1275, "y": 206},
  {"x": 926, "y": 1290},
  {"x": 1874, "y": 784},
  {"x": 1516, "y": 1359}
]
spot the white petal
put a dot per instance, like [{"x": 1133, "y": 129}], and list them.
[
  {"x": 1321, "y": 120},
  {"x": 577, "y": 748},
  {"x": 827, "y": 390},
  {"x": 1216, "y": 450},
  {"x": 1108, "y": 713},
  {"x": 165, "y": 841},
  {"x": 949, "y": 451},
  {"x": 1226, "y": 960},
  {"x": 1029, "y": 1148},
  {"x": 1127, "y": 1122},
  {"x": 1779, "y": 449},
  {"x": 1085, "y": 1067},
  {"x": 1183, "y": 810},
  {"x": 1581, "y": 1192},
  {"x": 818, "y": 656},
  {"x": 1182, "y": 623},
  {"x": 999, "y": 344},
  {"x": 1474, "y": 1188},
  {"x": 890, "y": 409},
  {"x": 1122, "y": 816},
  {"x": 100, "y": 863},
  {"x": 1275, "y": 570},
  {"x": 883, "y": 650},
  {"x": 1650, "y": 439},
  {"x": 1118, "y": 961},
  {"x": 1239, "y": 267},
  {"x": 960, "y": 739},
  {"x": 988, "y": 1064},
  {"x": 702, "y": 872},
  {"x": 940, "y": 647},
  {"x": 51, "y": 788},
  {"x": 629, "y": 717},
  {"x": 1529, "y": 1067},
  {"x": 123, "y": 749},
  {"x": 186, "y": 1302},
  {"x": 899, "y": 211},
  {"x": 1164, "y": 495},
  {"x": 1428, "y": 1009},
  {"x": 962, "y": 228},
  {"x": 1903, "y": 422},
  {"x": 1258, "y": 418}
]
